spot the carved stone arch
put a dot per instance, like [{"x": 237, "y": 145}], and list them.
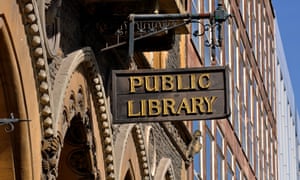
[
  {"x": 123, "y": 155},
  {"x": 150, "y": 144},
  {"x": 78, "y": 81},
  {"x": 16, "y": 154},
  {"x": 139, "y": 136},
  {"x": 33, "y": 28},
  {"x": 130, "y": 147},
  {"x": 165, "y": 170}
]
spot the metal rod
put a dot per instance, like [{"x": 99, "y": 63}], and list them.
[
  {"x": 10, "y": 122},
  {"x": 131, "y": 38},
  {"x": 140, "y": 17},
  {"x": 146, "y": 17},
  {"x": 143, "y": 36},
  {"x": 213, "y": 41}
]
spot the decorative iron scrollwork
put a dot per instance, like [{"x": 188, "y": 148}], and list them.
[{"x": 10, "y": 122}]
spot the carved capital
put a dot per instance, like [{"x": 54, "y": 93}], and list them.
[{"x": 50, "y": 149}]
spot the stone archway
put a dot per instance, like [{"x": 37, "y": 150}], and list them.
[
  {"x": 76, "y": 160},
  {"x": 79, "y": 93},
  {"x": 8, "y": 104},
  {"x": 131, "y": 153},
  {"x": 18, "y": 96},
  {"x": 165, "y": 170}
]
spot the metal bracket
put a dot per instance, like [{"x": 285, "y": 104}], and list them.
[
  {"x": 140, "y": 26},
  {"x": 10, "y": 122}
]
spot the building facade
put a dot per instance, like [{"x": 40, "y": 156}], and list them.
[
  {"x": 57, "y": 58},
  {"x": 56, "y": 123},
  {"x": 243, "y": 146},
  {"x": 287, "y": 117}
]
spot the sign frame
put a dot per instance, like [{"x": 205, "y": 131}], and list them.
[{"x": 118, "y": 77}]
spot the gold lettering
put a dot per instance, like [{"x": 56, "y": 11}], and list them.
[
  {"x": 193, "y": 81},
  {"x": 154, "y": 107},
  {"x": 198, "y": 104},
  {"x": 169, "y": 106},
  {"x": 209, "y": 101},
  {"x": 179, "y": 83},
  {"x": 155, "y": 84},
  {"x": 143, "y": 107},
  {"x": 135, "y": 82},
  {"x": 130, "y": 109},
  {"x": 184, "y": 105},
  {"x": 203, "y": 81},
  {"x": 167, "y": 82}
]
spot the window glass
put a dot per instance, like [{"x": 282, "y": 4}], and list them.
[
  {"x": 237, "y": 172},
  {"x": 197, "y": 167},
  {"x": 208, "y": 156},
  {"x": 220, "y": 165},
  {"x": 197, "y": 160},
  {"x": 206, "y": 5},
  {"x": 236, "y": 113},
  {"x": 195, "y": 26},
  {"x": 220, "y": 155}
]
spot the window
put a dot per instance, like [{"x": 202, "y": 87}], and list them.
[
  {"x": 226, "y": 41},
  {"x": 220, "y": 166},
  {"x": 253, "y": 16},
  {"x": 220, "y": 155},
  {"x": 208, "y": 124},
  {"x": 236, "y": 113},
  {"x": 219, "y": 139},
  {"x": 250, "y": 144},
  {"x": 242, "y": 100},
  {"x": 217, "y": 51},
  {"x": 197, "y": 162},
  {"x": 229, "y": 160},
  {"x": 259, "y": 45},
  {"x": 262, "y": 164},
  {"x": 206, "y": 5},
  {"x": 249, "y": 98},
  {"x": 208, "y": 155},
  {"x": 247, "y": 18},
  {"x": 253, "y": 32},
  {"x": 207, "y": 52},
  {"x": 197, "y": 159},
  {"x": 195, "y": 26},
  {"x": 234, "y": 50},
  {"x": 242, "y": 8},
  {"x": 243, "y": 121},
  {"x": 237, "y": 172}
]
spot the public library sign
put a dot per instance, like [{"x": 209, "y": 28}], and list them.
[{"x": 150, "y": 95}]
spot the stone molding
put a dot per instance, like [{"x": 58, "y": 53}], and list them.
[{"x": 51, "y": 142}]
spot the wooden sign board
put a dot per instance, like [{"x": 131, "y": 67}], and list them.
[{"x": 150, "y": 95}]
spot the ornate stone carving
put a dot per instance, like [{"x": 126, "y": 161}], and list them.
[
  {"x": 194, "y": 146},
  {"x": 35, "y": 39},
  {"x": 50, "y": 149},
  {"x": 76, "y": 63},
  {"x": 50, "y": 142},
  {"x": 140, "y": 145},
  {"x": 82, "y": 159},
  {"x": 78, "y": 162},
  {"x": 150, "y": 143},
  {"x": 165, "y": 170},
  {"x": 35, "y": 22},
  {"x": 49, "y": 11}
]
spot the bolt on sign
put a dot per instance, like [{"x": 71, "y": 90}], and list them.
[{"x": 150, "y": 95}]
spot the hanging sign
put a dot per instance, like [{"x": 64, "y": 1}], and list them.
[{"x": 149, "y": 95}]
